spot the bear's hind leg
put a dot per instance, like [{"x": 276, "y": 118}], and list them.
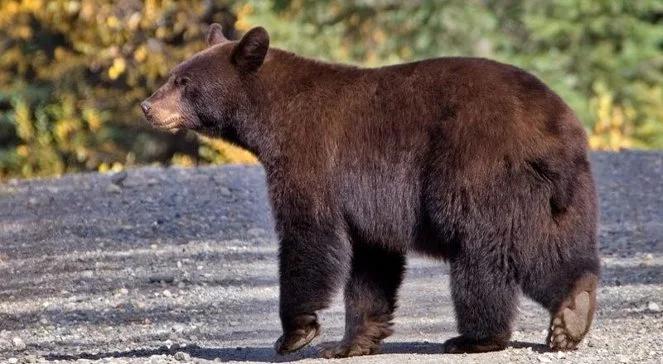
[
  {"x": 485, "y": 300},
  {"x": 566, "y": 286},
  {"x": 370, "y": 300}
]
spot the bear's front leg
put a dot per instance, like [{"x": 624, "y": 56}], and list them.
[
  {"x": 313, "y": 260},
  {"x": 370, "y": 300}
]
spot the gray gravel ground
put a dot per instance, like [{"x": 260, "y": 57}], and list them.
[{"x": 179, "y": 265}]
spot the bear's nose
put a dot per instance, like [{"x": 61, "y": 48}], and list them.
[{"x": 145, "y": 106}]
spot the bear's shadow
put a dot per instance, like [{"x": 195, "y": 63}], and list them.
[{"x": 266, "y": 354}]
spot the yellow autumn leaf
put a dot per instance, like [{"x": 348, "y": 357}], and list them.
[{"x": 118, "y": 67}]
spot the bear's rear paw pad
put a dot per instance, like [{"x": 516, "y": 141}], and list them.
[
  {"x": 297, "y": 339},
  {"x": 571, "y": 322}
]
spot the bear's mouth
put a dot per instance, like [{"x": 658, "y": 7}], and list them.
[{"x": 171, "y": 123}]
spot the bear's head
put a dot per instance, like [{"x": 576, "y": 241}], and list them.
[{"x": 214, "y": 91}]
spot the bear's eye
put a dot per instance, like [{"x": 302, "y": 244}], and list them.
[{"x": 182, "y": 81}]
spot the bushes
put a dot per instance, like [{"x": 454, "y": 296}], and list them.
[{"x": 72, "y": 72}]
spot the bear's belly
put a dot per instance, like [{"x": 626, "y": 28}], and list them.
[{"x": 382, "y": 211}]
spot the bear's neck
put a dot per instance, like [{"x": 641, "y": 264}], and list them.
[{"x": 286, "y": 81}]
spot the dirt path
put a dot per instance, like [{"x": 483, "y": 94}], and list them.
[{"x": 180, "y": 265}]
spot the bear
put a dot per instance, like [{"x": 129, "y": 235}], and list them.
[{"x": 465, "y": 160}]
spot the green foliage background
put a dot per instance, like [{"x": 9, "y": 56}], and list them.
[{"x": 73, "y": 71}]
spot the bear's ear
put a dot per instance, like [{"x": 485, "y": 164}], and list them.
[
  {"x": 215, "y": 35},
  {"x": 250, "y": 52}
]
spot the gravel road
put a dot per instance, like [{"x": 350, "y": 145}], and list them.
[{"x": 179, "y": 265}]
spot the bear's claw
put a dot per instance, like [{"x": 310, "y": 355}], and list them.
[
  {"x": 345, "y": 350},
  {"x": 295, "y": 340}
]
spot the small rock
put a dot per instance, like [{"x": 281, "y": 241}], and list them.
[
  {"x": 118, "y": 178},
  {"x": 181, "y": 356},
  {"x": 5, "y": 345},
  {"x": 167, "y": 293},
  {"x": 653, "y": 307},
  {"x": 162, "y": 278},
  {"x": 124, "y": 291},
  {"x": 18, "y": 343},
  {"x": 111, "y": 188},
  {"x": 12, "y": 360},
  {"x": 544, "y": 359},
  {"x": 30, "y": 359}
]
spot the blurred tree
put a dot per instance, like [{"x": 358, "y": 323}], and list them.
[
  {"x": 604, "y": 57},
  {"x": 73, "y": 71}
]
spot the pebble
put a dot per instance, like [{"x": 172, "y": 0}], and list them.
[
  {"x": 12, "y": 360},
  {"x": 119, "y": 177},
  {"x": 653, "y": 307},
  {"x": 30, "y": 359},
  {"x": 167, "y": 293},
  {"x": 162, "y": 278},
  {"x": 544, "y": 359},
  {"x": 113, "y": 188},
  {"x": 5, "y": 345},
  {"x": 181, "y": 356},
  {"x": 18, "y": 343},
  {"x": 124, "y": 291}
]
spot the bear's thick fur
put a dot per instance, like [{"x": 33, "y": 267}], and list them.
[{"x": 464, "y": 159}]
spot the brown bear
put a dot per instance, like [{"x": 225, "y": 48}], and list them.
[{"x": 464, "y": 159}]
